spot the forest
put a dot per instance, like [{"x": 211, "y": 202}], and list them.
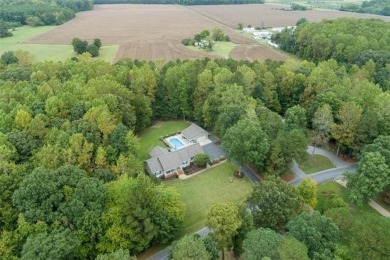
[
  {"x": 379, "y": 7},
  {"x": 73, "y": 186},
  {"x": 38, "y": 13}
]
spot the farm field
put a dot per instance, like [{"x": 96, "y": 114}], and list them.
[
  {"x": 41, "y": 52},
  {"x": 269, "y": 15},
  {"x": 148, "y": 32}
]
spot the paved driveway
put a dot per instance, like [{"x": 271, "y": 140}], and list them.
[{"x": 213, "y": 150}]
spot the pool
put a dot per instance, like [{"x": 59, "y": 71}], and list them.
[{"x": 175, "y": 143}]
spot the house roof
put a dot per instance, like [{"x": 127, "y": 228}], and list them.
[
  {"x": 193, "y": 131},
  {"x": 173, "y": 159},
  {"x": 158, "y": 151}
]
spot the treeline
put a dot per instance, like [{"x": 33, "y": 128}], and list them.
[
  {"x": 380, "y": 7},
  {"x": 182, "y": 2},
  {"x": 43, "y": 12},
  {"x": 347, "y": 40}
]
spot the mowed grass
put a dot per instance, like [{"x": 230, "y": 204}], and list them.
[
  {"x": 316, "y": 163},
  {"x": 331, "y": 186},
  {"x": 151, "y": 136},
  {"x": 41, "y": 52},
  {"x": 201, "y": 192},
  {"x": 220, "y": 48}
]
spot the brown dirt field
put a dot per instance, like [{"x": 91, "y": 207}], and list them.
[
  {"x": 142, "y": 31},
  {"x": 256, "y": 52},
  {"x": 270, "y": 15}
]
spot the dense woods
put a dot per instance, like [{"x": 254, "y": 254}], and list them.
[
  {"x": 380, "y": 7},
  {"x": 37, "y": 13}
]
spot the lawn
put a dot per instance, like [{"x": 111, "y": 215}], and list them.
[
  {"x": 332, "y": 186},
  {"x": 220, "y": 48},
  {"x": 316, "y": 163},
  {"x": 150, "y": 137},
  {"x": 42, "y": 52},
  {"x": 201, "y": 192}
]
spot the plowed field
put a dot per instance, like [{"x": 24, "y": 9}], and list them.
[{"x": 155, "y": 31}]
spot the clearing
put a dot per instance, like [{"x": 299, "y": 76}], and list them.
[
  {"x": 316, "y": 163},
  {"x": 202, "y": 191}
]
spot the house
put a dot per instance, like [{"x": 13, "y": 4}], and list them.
[
  {"x": 166, "y": 164},
  {"x": 195, "y": 134}
]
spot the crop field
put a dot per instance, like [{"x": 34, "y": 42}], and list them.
[
  {"x": 154, "y": 32},
  {"x": 269, "y": 15}
]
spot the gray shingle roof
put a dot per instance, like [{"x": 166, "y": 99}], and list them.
[
  {"x": 193, "y": 131},
  {"x": 173, "y": 159},
  {"x": 158, "y": 151}
]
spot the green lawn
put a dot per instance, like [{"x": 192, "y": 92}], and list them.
[
  {"x": 332, "y": 186},
  {"x": 220, "y": 48},
  {"x": 150, "y": 137},
  {"x": 316, "y": 163},
  {"x": 55, "y": 52},
  {"x": 200, "y": 192}
]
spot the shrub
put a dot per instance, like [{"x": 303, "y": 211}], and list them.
[
  {"x": 186, "y": 41},
  {"x": 93, "y": 50},
  {"x": 201, "y": 159}
]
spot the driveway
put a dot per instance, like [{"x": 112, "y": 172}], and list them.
[
  {"x": 214, "y": 150},
  {"x": 341, "y": 167}
]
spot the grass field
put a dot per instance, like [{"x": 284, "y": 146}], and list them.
[
  {"x": 220, "y": 48},
  {"x": 316, "y": 163},
  {"x": 201, "y": 192},
  {"x": 150, "y": 137},
  {"x": 55, "y": 52}
]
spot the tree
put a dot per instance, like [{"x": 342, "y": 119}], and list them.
[
  {"x": 295, "y": 118},
  {"x": 188, "y": 247},
  {"x": 79, "y": 46},
  {"x": 8, "y": 57},
  {"x": 58, "y": 244},
  {"x": 98, "y": 43},
  {"x": 307, "y": 192},
  {"x": 322, "y": 125},
  {"x": 242, "y": 231},
  {"x": 246, "y": 142},
  {"x": 349, "y": 118},
  {"x": 93, "y": 50},
  {"x": 201, "y": 159},
  {"x": 371, "y": 178},
  {"x": 224, "y": 220},
  {"x": 211, "y": 247},
  {"x": 240, "y": 26},
  {"x": 318, "y": 233},
  {"x": 261, "y": 243},
  {"x": 119, "y": 254},
  {"x": 273, "y": 203},
  {"x": 292, "y": 249},
  {"x": 218, "y": 35}
]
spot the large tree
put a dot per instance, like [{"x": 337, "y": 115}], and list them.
[
  {"x": 262, "y": 243},
  {"x": 273, "y": 203},
  {"x": 292, "y": 249},
  {"x": 371, "y": 178},
  {"x": 188, "y": 247},
  {"x": 322, "y": 125},
  {"x": 319, "y": 233},
  {"x": 224, "y": 220},
  {"x": 246, "y": 142}
]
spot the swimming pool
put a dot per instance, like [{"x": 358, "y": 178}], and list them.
[{"x": 175, "y": 143}]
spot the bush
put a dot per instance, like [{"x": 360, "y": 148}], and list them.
[
  {"x": 186, "y": 41},
  {"x": 201, "y": 159}
]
